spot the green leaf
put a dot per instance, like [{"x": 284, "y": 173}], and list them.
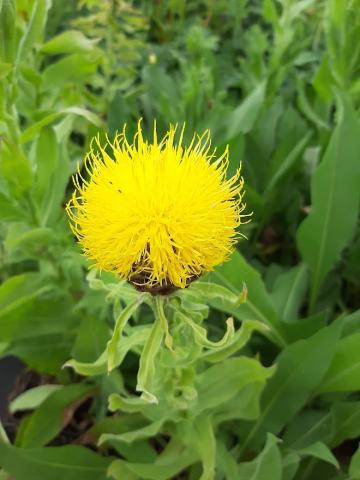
[
  {"x": 354, "y": 468},
  {"x": 159, "y": 470},
  {"x": 5, "y": 69},
  {"x": 34, "y": 31},
  {"x": 321, "y": 451},
  {"x": 300, "y": 369},
  {"x": 347, "y": 421},
  {"x": 71, "y": 41},
  {"x": 9, "y": 210},
  {"x": 32, "y": 398},
  {"x": 46, "y": 159},
  {"x": 289, "y": 292},
  {"x": 237, "y": 341},
  {"x": 225, "y": 462},
  {"x": 200, "y": 333},
  {"x": 15, "y": 168},
  {"x": 70, "y": 69},
  {"x": 344, "y": 372},
  {"x": 308, "y": 427},
  {"x": 51, "y": 416},
  {"x": 57, "y": 463},
  {"x": 116, "y": 339},
  {"x": 266, "y": 466},
  {"x": 34, "y": 129},
  {"x": 136, "y": 337},
  {"x": 203, "y": 441},
  {"x": 7, "y": 31},
  {"x": 243, "y": 118},
  {"x": 3, "y": 436},
  {"x": 209, "y": 291},
  {"x": 147, "y": 431},
  {"x": 335, "y": 200},
  {"x": 288, "y": 162},
  {"x": 220, "y": 383},
  {"x": 147, "y": 362},
  {"x": 258, "y": 306}
]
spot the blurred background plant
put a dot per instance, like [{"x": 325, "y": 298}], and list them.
[{"x": 277, "y": 80}]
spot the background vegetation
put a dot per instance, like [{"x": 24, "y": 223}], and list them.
[{"x": 277, "y": 80}]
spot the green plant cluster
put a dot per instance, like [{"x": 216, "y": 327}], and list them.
[{"x": 253, "y": 372}]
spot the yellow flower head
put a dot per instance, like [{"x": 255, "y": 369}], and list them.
[{"x": 158, "y": 214}]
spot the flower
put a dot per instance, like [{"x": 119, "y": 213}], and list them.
[{"x": 157, "y": 214}]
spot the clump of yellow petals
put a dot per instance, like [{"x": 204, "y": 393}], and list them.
[{"x": 158, "y": 214}]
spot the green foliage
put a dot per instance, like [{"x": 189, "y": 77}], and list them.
[{"x": 163, "y": 388}]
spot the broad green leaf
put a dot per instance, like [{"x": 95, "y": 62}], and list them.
[
  {"x": 308, "y": 427},
  {"x": 258, "y": 306},
  {"x": 300, "y": 369},
  {"x": 5, "y": 69},
  {"x": 208, "y": 291},
  {"x": 291, "y": 463},
  {"x": 306, "y": 327},
  {"x": 71, "y": 41},
  {"x": 344, "y": 372},
  {"x": 34, "y": 129},
  {"x": 51, "y": 416},
  {"x": 70, "y": 69},
  {"x": 220, "y": 383},
  {"x": 354, "y": 468},
  {"x": 243, "y": 118},
  {"x": 121, "y": 321},
  {"x": 289, "y": 292},
  {"x": 19, "y": 289},
  {"x": 266, "y": 466},
  {"x": 225, "y": 462},
  {"x": 159, "y": 470},
  {"x": 57, "y": 463},
  {"x": 347, "y": 421},
  {"x": 335, "y": 199},
  {"x": 15, "y": 168},
  {"x": 32, "y": 398},
  {"x": 321, "y": 451},
  {"x": 287, "y": 163},
  {"x": 9, "y": 210},
  {"x": 203, "y": 441}
]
